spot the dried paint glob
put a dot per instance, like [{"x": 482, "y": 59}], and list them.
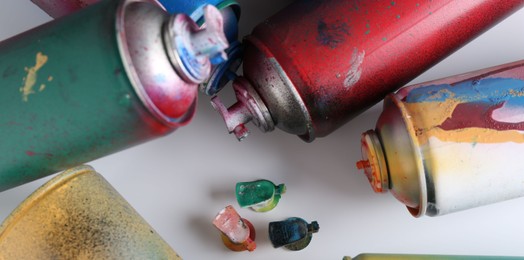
[
  {"x": 260, "y": 196},
  {"x": 32, "y": 76}
]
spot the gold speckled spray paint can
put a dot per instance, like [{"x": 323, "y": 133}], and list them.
[
  {"x": 79, "y": 215},
  {"x": 110, "y": 76},
  {"x": 450, "y": 144}
]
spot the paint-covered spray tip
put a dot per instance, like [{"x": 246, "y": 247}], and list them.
[
  {"x": 238, "y": 234},
  {"x": 192, "y": 50},
  {"x": 373, "y": 162},
  {"x": 212, "y": 41},
  {"x": 293, "y": 233},
  {"x": 260, "y": 196},
  {"x": 248, "y": 108}
]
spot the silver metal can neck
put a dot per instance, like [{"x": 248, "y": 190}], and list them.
[
  {"x": 192, "y": 50},
  {"x": 165, "y": 58}
]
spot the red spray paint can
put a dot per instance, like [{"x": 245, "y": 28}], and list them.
[{"x": 319, "y": 63}]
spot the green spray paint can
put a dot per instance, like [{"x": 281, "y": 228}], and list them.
[{"x": 113, "y": 75}]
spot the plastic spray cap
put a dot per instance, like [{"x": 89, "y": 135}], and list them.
[
  {"x": 193, "y": 50},
  {"x": 238, "y": 234},
  {"x": 260, "y": 196},
  {"x": 293, "y": 233}
]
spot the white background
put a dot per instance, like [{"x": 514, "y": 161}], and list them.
[{"x": 178, "y": 183}]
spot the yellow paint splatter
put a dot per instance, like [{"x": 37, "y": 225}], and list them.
[
  {"x": 427, "y": 116},
  {"x": 30, "y": 79},
  {"x": 476, "y": 135}
]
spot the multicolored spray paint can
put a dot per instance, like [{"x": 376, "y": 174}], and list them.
[
  {"x": 450, "y": 144},
  {"x": 427, "y": 257},
  {"x": 230, "y": 10},
  {"x": 105, "y": 78},
  {"x": 318, "y": 63}
]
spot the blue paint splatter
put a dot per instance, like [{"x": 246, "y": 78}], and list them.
[
  {"x": 160, "y": 78},
  {"x": 491, "y": 90},
  {"x": 332, "y": 34}
]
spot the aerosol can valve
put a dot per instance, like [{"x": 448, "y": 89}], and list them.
[{"x": 192, "y": 50}]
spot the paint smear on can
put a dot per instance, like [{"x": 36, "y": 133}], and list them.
[
  {"x": 355, "y": 69},
  {"x": 32, "y": 73},
  {"x": 332, "y": 34},
  {"x": 478, "y": 111}
]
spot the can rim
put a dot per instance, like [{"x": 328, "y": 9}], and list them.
[
  {"x": 133, "y": 76},
  {"x": 423, "y": 194}
]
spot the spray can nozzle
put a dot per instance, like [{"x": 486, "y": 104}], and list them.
[
  {"x": 249, "y": 108},
  {"x": 374, "y": 162},
  {"x": 191, "y": 49}
]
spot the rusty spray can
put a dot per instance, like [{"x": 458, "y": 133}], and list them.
[
  {"x": 230, "y": 10},
  {"x": 316, "y": 64},
  {"x": 110, "y": 76},
  {"x": 450, "y": 144}
]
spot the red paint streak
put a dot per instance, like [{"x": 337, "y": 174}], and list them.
[
  {"x": 30, "y": 153},
  {"x": 479, "y": 115}
]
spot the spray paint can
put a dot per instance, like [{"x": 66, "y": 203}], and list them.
[
  {"x": 318, "y": 63},
  {"x": 450, "y": 144},
  {"x": 230, "y": 10},
  {"x": 100, "y": 80},
  {"x": 427, "y": 257},
  {"x": 79, "y": 215}
]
